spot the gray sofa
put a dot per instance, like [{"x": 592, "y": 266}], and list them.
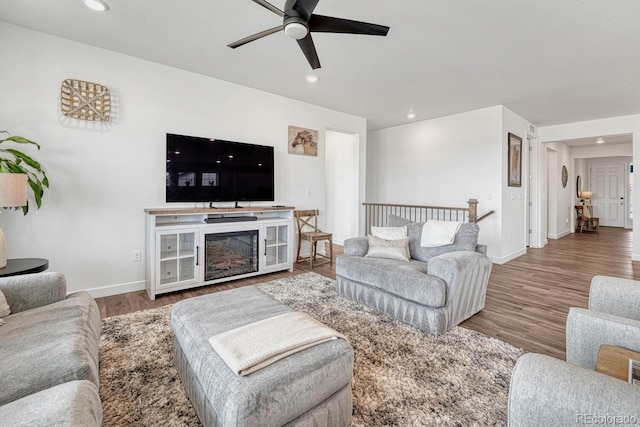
[
  {"x": 436, "y": 290},
  {"x": 549, "y": 391},
  {"x": 48, "y": 354}
]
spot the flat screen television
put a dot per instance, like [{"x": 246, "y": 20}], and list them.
[{"x": 215, "y": 170}]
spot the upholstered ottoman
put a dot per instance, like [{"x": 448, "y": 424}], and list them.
[{"x": 311, "y": 387}]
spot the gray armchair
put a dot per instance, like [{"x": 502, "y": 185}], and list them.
[
  {"x": 548, "y": 391},
  {"x": 437, "y": 289}
]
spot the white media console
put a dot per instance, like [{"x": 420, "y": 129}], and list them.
[{"x": 186, "y": 248}]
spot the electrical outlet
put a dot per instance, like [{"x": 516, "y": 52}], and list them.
[
  {"x": 137, "y": 256},
  {"x": 308, "y": 192}
]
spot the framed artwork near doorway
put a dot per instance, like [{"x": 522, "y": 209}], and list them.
[
  {"x": 303, "y": 141},
  {"x": 515, "y": 160}
]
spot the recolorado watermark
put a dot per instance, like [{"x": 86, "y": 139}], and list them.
[{"x": 605, "y": 419}]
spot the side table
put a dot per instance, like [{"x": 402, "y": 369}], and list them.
[
  {"x": 19, "y": 266},
  {"x": 614, "y": 361}
]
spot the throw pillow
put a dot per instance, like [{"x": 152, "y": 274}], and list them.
[
  {"x": 465, "y": 240},
  {"x": 4, "y": 308},
  {"x": 389, "y": 233},
  {"x": 389, "y": 249}
]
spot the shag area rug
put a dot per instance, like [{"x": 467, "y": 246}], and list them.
[{"x": 402, "y": 376}]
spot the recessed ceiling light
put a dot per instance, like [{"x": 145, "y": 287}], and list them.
[
  {"x": 97, "y": 5},
  {"x": 600, "y": 141},
  {"x": 411, "y": 116},
  {"x": 311, "y": 78}
]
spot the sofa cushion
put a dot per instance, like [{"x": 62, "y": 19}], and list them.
[
  {"x": 389, "y": 249},
  {"x": 72, "y": 404},
  {"x": 466, "y": 238},
  {"x": 49, "y": 345},
  {"x": 408, "y": 280}
]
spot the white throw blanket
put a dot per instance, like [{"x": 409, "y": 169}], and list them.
[
  {"x": 439, "y": 233},
  {"x": 256, "y": 345}
]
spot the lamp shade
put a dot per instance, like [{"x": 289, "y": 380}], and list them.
[
  {"x": 13, "y": 189},
  {"x": 586, "y": 194}
]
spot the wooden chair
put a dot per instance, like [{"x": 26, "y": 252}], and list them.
[
  {"x": 308, "y": 230},
  {"x": 586, "y": 221}
]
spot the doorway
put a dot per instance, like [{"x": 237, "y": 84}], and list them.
[
  {"x": 342, "y": 176},
  {"x": 608, "y": 188},
  {"x": 551, "y": 226}
]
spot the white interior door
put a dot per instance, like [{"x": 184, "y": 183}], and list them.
[{"x": 607, "y": 186}]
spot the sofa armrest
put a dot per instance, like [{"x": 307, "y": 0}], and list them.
[
  {"x": 33, "y": 290},
  {"x": 481, "y": 249},
  {"x": 615, "y": 296},
  {"x": 357, "y": 246},
  {"x": 588, "y": 329},
  {"x": 466, "y": 275},
  {"x": 545, "y": 391}
]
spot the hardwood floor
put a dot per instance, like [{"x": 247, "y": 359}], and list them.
[{"x": 527, "y": 299}]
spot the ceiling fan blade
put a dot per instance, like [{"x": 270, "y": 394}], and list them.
[
  {"x": 304, "y": 7},
  {"x": 269, "y": 6},
  {"x": 309, "y": 50},
  {"x": 329, "y": 24},
  {"x": 255, "y": 37}
]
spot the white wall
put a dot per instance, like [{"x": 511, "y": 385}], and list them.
[
  {"x": 611, "y": 126},
  {"x": 591, "y": 151},
  {"x": 102, "y": 177},
  {"x": 442, "y": 162},
  {"x": 514, "y": 200}
]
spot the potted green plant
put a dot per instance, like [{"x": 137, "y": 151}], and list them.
[{"x": 15, "y": 161}]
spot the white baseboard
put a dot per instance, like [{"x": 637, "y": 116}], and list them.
[
  {"x": 121, "y": 288},
  {"x": 559, "y": 236},
  {"x": 509, "y": 257}
]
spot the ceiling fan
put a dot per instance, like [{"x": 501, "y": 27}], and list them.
[{"x": 298, "y": 22}]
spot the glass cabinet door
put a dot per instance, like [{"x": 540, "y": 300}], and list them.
[
  {"x": 178, "y": 257},
  {"x": 276, "y": 245}
]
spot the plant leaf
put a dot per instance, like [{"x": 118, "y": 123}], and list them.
[
  {"x": 15, "y": 161},
  {"x": 37, "y": 191},
  {"x": 21, "y": 156},
  {"x": 21, "y": 140}
]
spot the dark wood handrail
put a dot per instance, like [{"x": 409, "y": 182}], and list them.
[{"x": 485, "y": 215}]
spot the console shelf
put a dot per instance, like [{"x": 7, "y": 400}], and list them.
[{"x": 182, "y": 248}]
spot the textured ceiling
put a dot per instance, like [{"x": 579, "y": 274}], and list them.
[{"x": 550, "y": 61}]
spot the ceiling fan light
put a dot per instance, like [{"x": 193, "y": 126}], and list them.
[
  {"x": 97, "y": 5},
  {"x": 296, "y": 30}
]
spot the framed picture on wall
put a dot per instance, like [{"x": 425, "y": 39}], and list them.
[
  {"x": 515, "y": 160},
  {"x": 303, "y": 141}
]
